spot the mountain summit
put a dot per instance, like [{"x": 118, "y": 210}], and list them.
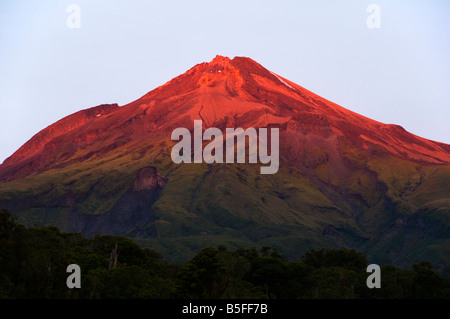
[
  {"x": 237, "y": 93},
  {"x": 344, "y": 179}
]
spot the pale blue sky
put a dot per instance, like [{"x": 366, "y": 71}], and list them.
[{"x": 399, "y": 73}]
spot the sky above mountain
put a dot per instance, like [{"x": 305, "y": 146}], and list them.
[{"x": 398, "y": 73}]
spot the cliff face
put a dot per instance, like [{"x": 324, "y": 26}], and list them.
[{"x": 148, "y": 178}]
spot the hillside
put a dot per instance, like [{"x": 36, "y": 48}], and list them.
[{"x": 343, "y": 179}]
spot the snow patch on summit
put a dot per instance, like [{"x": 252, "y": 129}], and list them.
[{"x": 281, "y": 80}]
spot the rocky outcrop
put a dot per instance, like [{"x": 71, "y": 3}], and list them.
[{"x": 148, "y": 178}]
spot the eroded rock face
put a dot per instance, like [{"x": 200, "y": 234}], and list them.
[{"x": 148, "y": 178}]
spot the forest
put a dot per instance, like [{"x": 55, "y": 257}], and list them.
[{"x": 33, "y": 265}]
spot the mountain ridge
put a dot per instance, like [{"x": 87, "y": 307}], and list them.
[{"x": 205, "y": 75}]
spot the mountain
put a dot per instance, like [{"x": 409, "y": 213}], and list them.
[{"x": 343, "y": 179}]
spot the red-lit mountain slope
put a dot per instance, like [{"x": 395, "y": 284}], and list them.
[
  {"x": 344, "y": 179},
  {"x": 223, "y": 93}
]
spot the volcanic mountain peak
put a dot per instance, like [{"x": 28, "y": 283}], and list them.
[
  {"x": 343, "y": 179},
  {"x": 220, "y": 71},
  {"x": 224, "y": 92},
  {"x": 223, "y": 62},
  {"x": 220, "y": 60}
]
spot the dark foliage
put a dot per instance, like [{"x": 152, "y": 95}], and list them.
[{"x": 33, "y": 264}]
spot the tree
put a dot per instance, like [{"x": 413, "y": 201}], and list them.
[
  {"x": 336, "y": 257},
  {"x": 204, "y": 276},
  {"x": 428, "y": 283},
  {"x": 270, "y": 273},
  {"x": 8, "y": 223},
  {"x": 336, "y": 272}
]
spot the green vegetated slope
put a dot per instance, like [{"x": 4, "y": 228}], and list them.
[{"x": 395, "y": 211}]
